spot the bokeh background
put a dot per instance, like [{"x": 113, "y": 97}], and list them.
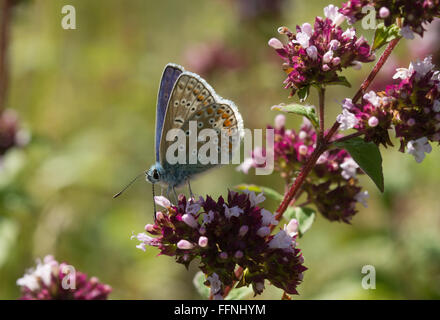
[{"x": 87, "y": 99}]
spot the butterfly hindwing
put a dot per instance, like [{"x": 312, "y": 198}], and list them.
[
  {"x": 169, "y": 77},
  {"x": 192, "y": 99}
]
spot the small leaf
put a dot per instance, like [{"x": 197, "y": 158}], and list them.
[
  {"x": 199, "y": 283},
  {"x": 305, "y": 217},
  {"x": 273, "y": 194},
  {"x": 305, "y": 111},
  {"x": 367, "y": 156},
  {"x": 303, "y": 93},
  {"x": 384, "y": 34},
  {"x": 342, "y": 81}
]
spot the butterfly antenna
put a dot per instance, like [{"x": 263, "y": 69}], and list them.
[
  {"x": 128, "y": 185},
  {"x": 154, "y": 204}
]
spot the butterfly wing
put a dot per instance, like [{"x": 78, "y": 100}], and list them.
[
  {"x": 169, "y": 77},
  {"x": 193, "y": 99}
]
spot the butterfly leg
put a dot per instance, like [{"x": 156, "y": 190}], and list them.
[{"x": 191, "y": 194}]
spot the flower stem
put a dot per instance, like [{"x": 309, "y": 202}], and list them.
[
  {"x": 321, "y": 92},
  {"x": 348, "y": 137},
  {"x": 5, "y": 11}
]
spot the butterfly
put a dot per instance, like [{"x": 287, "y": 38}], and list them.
[{"x": 185, "y": 98}]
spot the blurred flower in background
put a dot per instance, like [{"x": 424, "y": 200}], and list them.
[
  {"x": 11, "y": 135},
  {"x": 249, "y": 10},
  {"x": 209, "y": 58},
  {"x": 51, "y": 280}
]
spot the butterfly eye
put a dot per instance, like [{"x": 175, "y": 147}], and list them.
[{"x": 155, "y": 174}]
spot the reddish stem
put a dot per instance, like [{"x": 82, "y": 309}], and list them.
[{"x": 321, "y": 92}]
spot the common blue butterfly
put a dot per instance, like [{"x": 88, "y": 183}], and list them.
[{"x": 185, "y": 97}]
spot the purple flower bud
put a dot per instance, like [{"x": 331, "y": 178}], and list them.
[
  {"x": 162, "y": 201},
  {"x": 328, "y": 56},
  {"x": 263, "y": 231},
  {"x": 384, "y": 12},
  {"x": 190, "y": 220},
  {"x": 184, "y": 245},
  {"x": 149, "y": 227},
  {"x": 275, "y": 43},
  {"x": 302, "y": 150},
  {"x": 280, "y": 121},
  {"x": 312, "y": 52},
  {"x": 292, "y": 227},
  {"x": 224, "y": 255},
  {"x": 238, "y": 254},
  {"x": 325, "y": 67},
  {"x": 336, "y": 61},
  {"x": 159, "y": 215},
  {"x": 243, "y": 230},
  {"x": 373, "y": 121},
  {"x": 411, "y": 122},
  {"x": 203, "y": 241}
]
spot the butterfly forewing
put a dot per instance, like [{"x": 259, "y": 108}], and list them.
[{"x": 169, "y": 77}]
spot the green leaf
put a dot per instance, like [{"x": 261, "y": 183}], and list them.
[
  {"x": 303, "y": 93},
  {"x": 367, "y": 156},
  {"x": 199, "y": 283},
  {"x": 341, "y": 81},
  {"x": 384, "y": 34},
  {"x": 305, "y": 111},
  {"x": 273, "y": 194},
  {"x": 305, "y": 217}
]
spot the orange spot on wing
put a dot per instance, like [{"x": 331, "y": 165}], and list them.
[
  {"x": 209, "y": 110},
  {"x": 227, "y": 123},
  {"x": 224, "y": 115},
  {"x": 200, "y": 97}
]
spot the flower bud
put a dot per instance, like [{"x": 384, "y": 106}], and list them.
[
  {"x": 185, "y": 245},
  {"x": 292, "y": 227},
  {"x": 373, "y": 121},
  {"x": 190, "y": 220},
  {"x": 275, "y": 43},
  {"x": 224, "y": 255},
  {"x": 280, "y": 121},
  {"x": 203, "y": 241},
  {"x": 243, "y": 230},
  {"x": 384, "y": 12},
  {"x": 238, "y": 254}
]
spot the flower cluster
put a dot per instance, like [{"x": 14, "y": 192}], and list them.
[
  {"x": 315, "y": 55},
  {"x": 225, "y": 235},
  {"x": 332, "y": 185},
  {"x": 10, "y": 133},
  {"x": 415, "y": 13},
  {"x": 411, "y": 107},
  {"x": 51, "y": 280}
]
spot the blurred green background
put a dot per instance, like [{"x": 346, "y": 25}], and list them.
[{"x": 88, "y": 98}]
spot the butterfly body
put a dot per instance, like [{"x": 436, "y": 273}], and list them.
[{"x": 185, "y": 99}]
